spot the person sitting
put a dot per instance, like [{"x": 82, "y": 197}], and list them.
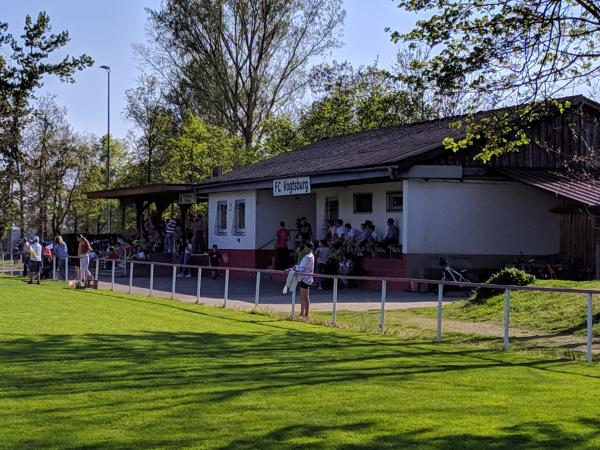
[
  {"x": 392, "y": 236},
  {"x": 340, "y": 231},
  {"x": 322, "y": 254},
  {"x": 345, "y": 268}
]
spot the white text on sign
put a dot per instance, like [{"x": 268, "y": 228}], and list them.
[{"x": 291, "y": 186}]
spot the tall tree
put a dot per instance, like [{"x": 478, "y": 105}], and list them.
[
  {"x": 148, "y": 110},
  {"x": 21, "y": 74},
  {"x": 347, "y": 101},
  {"x": 237, "y": 62},
  {"x": 511, "y": 51}
]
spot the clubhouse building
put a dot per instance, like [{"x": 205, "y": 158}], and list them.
[{"x": 478, "y": 216}]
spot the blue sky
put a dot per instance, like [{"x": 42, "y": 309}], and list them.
[{"x": 107, "y": 29}]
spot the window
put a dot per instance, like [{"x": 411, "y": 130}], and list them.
[
  {"x": 363, "y": 203},
  {"x": 395, "y": 201},
  {"x": 239, "y": 217},
  {"x": 332, "y": 208},
  {"x": 221, "y": 222}
]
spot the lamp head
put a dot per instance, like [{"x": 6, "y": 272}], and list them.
[{"x": 107, "y": 68}]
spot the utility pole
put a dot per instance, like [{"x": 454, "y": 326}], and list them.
[{"x": 108, "y": 216}]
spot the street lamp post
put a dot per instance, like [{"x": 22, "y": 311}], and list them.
[{"x": 108, "y": 221}]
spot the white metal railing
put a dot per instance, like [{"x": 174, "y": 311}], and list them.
[{"x": 589, "y": 293}]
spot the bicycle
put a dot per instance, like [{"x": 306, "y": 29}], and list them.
[{"x": 451, "y": 274}]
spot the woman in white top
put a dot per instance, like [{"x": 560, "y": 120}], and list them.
[{"x": 305, "y": 270}]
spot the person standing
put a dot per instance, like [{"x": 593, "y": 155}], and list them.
[
  {"x": 25, "y": 255},
  {"x": 83, "y": 251},
  {"x": 282, "y": 253},
  {"x": 201, "y": 234},
  {"x": 61, "y": 253},
  {"x": 214, "y": 258},
  {"x": 392, "y": 237},
  {"x": 170, "y": 228},
  {"x": 35, "y": 260},
  {"x": 305, "y": 230},
  {"x": 322, "y": 253},
  {"x": 305, "y": 270}
]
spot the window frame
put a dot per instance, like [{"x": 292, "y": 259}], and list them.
[
  {"x": 388, "y": 196},
  {"x": 354, "y": 202},
  {"x": 236, "y": 229},
  {"x": 221, "y": 230}
]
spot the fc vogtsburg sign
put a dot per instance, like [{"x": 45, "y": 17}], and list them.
[{"x": 291, "y": 186}]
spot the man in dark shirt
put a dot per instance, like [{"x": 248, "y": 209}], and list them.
[
  {"x": 305, "y": 230},
  {"x": 392, "y": 237},
  {"x": 214, "y": 258}
]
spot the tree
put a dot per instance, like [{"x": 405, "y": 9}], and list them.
[
  {"x": 509, "y": 51},
  {"x": 21, "y": 74},
  {"x": 237, "y": 62},
  {"x": 348, "y": 101},
  {"x": 198, "y": 149},
  {"x": 148, "y": 110}
]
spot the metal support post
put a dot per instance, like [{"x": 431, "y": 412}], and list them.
[
  {"x": 97, "y": 274},
  {"x": 53, "y": 266},
  {"x": 130, "y": 277},
  {"x": 67, "y": 269},
  {"x": 334, "y": 305},
  {"x": 590, "y": 323},
  {"x": 173, "y": 282},
  {"x": 506, "y": 319},
  {"x": 198, "y": 285},
  {"x": 257, "y": 290},
  {"x": 438, "y": 336},
  {"x": 383, "y": 296},
  {"x": 294, "y": 304},
  {"x": 112, "y": 276},
  {"x": 151, "y": 280},
  {"x": 226, "y": 292}
]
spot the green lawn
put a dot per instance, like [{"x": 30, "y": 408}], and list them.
[
  {"x": 99, "y": 369},
  {"x": 545, "y": 311}
]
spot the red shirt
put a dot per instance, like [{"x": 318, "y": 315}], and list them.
[{"x": 281, "y": 238}]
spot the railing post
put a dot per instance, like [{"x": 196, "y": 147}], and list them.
[
  {"x": 294, "y": 304},
  {"x": 67, "y": 269},
  {"x": 2, "y": 263},
  {"x": 53, "y": 266},
  {"x": 173, "y": 281},
  {"x": 97, "y": 269},
  {"x": 438, "y": 336},
  {"x": 226, "y": 292},
  {"x": 151, "y": 280},
  {"x": 506, "y": 318},
  {"x": 130, "y": 276},
  {"x": 12, "y": 264},
  {"x": 590, "y": 323},
  {"x": 112, "y": 276},
  {"x": 198, "y": 285},
  {"x": 334, "y": 305},
  {"x": 383, "y": 296},
  {"x": 257, "y": 290}
]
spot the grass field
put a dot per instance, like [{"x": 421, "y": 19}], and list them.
[{"x": 99, "y": 369}]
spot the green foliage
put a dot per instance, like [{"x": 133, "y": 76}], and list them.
[
  {"x": 348, "y": 101},
  {"x": 507, "y": 276},
  {"x": 510, "y": 52},
  {"x": 200, "y": 147}
]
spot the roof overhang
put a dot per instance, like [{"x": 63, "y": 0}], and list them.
[
  {"x": 318, "y": 180},
  {"x": 582, "y": 189},
  {"x": 144, "y": 192}
]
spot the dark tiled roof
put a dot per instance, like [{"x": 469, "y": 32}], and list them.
[
  {"x": 381, "y": 147},
  {"x": 360, "y": 150}
]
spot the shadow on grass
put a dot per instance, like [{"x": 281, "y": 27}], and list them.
[{"x": 525, "y": 435}]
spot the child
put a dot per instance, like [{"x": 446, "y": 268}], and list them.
[
  {"x": 345, "y": 269},
  {"x": 214, "y": 257}
]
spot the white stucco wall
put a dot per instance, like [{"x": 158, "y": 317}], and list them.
[
  {"x": 272, "y": 210},
  {"x": 486, "y": 218},
  {"x": 345, "y": 195},
  {"x": 230, "y": 240}
]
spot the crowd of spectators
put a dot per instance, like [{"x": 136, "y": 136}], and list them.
[{"x": 340, "y": 247}]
